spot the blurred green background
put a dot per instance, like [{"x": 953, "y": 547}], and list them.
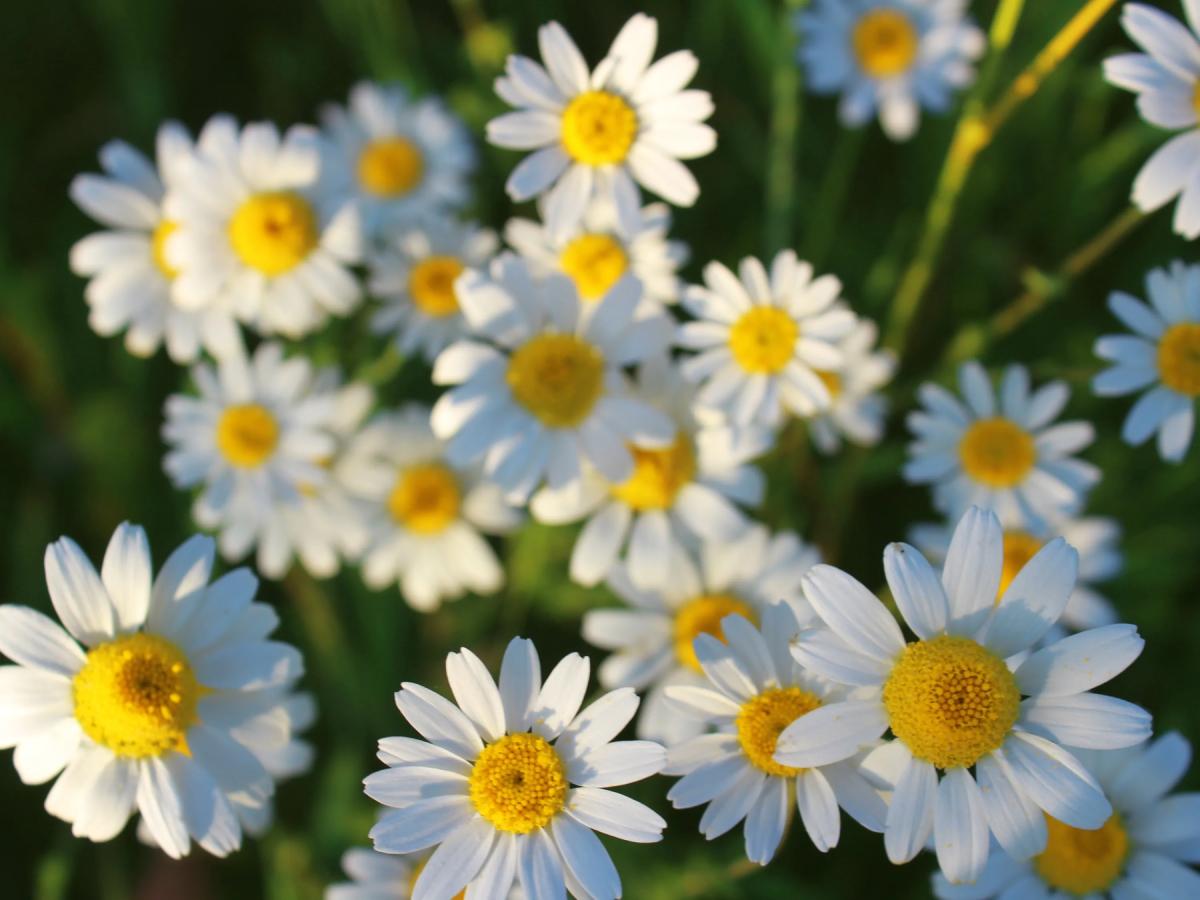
[{"x": 79, "y": 417}]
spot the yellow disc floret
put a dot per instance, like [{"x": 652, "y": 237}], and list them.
[
  {"x": 1019, "y": 548},
  {"x": 557, "y": 377},
  {"x": 595, "y": 262},
  {"x": 1083, "y": 862},
  {"x": 997, "y": 452},
  {"x": 273, "y": 232},
  {"x": 431, "y": 285},
  {"x": 658, "y": 475},
  {"x": 703, "y": 615},
  {"x": 885, "y": 43},
  {"x": 1179, "y": 358},
  {"x": 831, "y": 380},
  {"x": 518, "y": 783},
  {"x": 425, "y": 499},
  {"x": 763, "y": 340},
  {"x": 137, "y": 695},
  {"x": 158, "y": 246},
  {"x": 390, "y": 167},
  {"x": 598, "y": 128},
  {"x": 950, "y": 700},
  {"x": 761, "y": 720},
  {"x": 247, "y": 435}
]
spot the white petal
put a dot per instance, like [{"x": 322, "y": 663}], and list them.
[
  {"x": 438, "y": 720},
  {"x": 1034, "y": 600},
  {"x": 1080, "y": 662},
  {"x": 1018, "y": 824},
  {"x": 540, "y": 867},
  {"x": 1056, "y": 781},
  {"x": 457, "y": 861},
  {"x": 1151, "y": 773},
  {"x": 126, "y": 575},
  {"x": 765, "y": 823},
  {"x": 615, "y": 814},
  {"x": 960, "y": 828},
  {"x": 853, "y": 612},
  {"x": 620, "y": 762},
  {"x": 586, "y": 859},
  {"x": 161, "y": 806},
  {"x": 475, "y": 693},
  {"x": 422, "y": 824},
  {"x": 831, "y": 733},
  {"x": 520, "y": 682},
  {"x": 78, "y": 595},
  {"x": 32, "y": 639},
  {"x": 818, "y": 809},
  {"x": 918, "y": 592},
  {"x": 910, "y": 815},
  {"x": 971, "y": 574},
  {"x": 1088, "y": 721},
  {"x": 558, "y": 701}
]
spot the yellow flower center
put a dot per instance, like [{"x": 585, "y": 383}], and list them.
[
  {"x": 137, "y": 695},
  {"x": 273, "y": 232},
  {"x": 658, "y": 475},
  {"x": 416, "y": 873},
  {"x": 1196, "y": 99},
  {"x": 950, "y": 700},
  {"x": 595, "y": 262},
  {"x": 997, "y": 452},
  {"x": 557, "y": 377},
  {"x": 1179, "y": 358},
  {"x": 598, "y": 128},
  {"x": 158, "y": 242},
  {"x": 247, "y": 435},
  {"x": 1019, "y": 548},
  {"x": 885, "y": 43},
  {"x": 425, "y": 499},
  {"x": 1083, "y": 862},
  {"x": 763, "y": 339},
  {"x": 431, "y": 284},
  {"x": 518, "y": 783},
  {"x": 703, "y": 615},
  {"x": 831, "y": 380},
  {"x": 390, "y": 167},
  {"x": 761, "y": 720}
]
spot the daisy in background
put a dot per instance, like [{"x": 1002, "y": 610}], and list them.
[
  {"x": 383, "y": 876},
  {"x": 511, "y": 782},
  {"x": 539, "y": 387},
  {"x": 1006, "y": 456},
  {"x": 857, "y": 409},
  {"x": 172, "y": 707},
  {"x": 253, "y": 235},
  {"x": 652, "y": 640},
  {"x": 1162, "y": 354},
  {"x": 761, "y": 339},
  {"x": 1145, "y": 849},
  {"x": 598, "y": 135},
  {"x": 953, "y": 705}
]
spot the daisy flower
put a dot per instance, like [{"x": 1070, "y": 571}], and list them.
[
  {"x": 857, "y": 409},
  {"x": 894, "y": 56},
  {"x": 1007, "y": 456},
  {"x": 598, "y": 135},
  {"x": 252, "y": 236},
  {"x": 652, "y": 640},
  {"x": 953, "y": 705},
  {"x": 170, "y": 708},
  {"x": 424, "y": 514},
  {"x": 539, "y": 387},
  {"x": 1144, "y": 849},
  {"x": 414, "y": 275},
  {"x": 762, "y": 339},
  {"x": 1162, "y": 354},
  {"x": 513, "y": 782},
  {"x": 1166, "y": 79}
]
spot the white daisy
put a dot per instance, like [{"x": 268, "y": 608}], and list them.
[
  {"x": 763, "y": 339},
  {"x": 513, "y": 782},
  {"x": 385, "y": 876},
  {"x": 598, "y": 135},
  {"x": 541, "y": 390},
  {"x": 952, "y": 703},
  {"x": 857, "y": 410},
  {"x": 171, "y": 708},
  {"x": 414, "y": 273},
  {"x": 1007, "y": 457},
  {"x": 652, "y": 642},
  {"x": 252, "y": 236},
  {"x": 1162, "y": 354},
  {"x": 1145, "y": 849},
  {"x": 424, "y": 513}
]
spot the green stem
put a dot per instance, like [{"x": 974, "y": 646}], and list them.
[
  {"x": 787, "y": 110},
  {"x": 826, "y": 210}
]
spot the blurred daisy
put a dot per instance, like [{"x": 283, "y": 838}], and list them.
[
  {"x": 857, "y": 409},
  {"x": 762, "y": 340},
  {"x": 652, "y": 642},
  {"x": 252, "y": 236},
  {"x": 512, "y": 785},
  {"x": 1008, "y": 458},
  {"x": 541, "y": 392},
  {"x": 425, "y": 514},
  {"x": 1143, "y": 850},
  {"x": 414, "y": 274},
  {"x": 952, "y": 703},
  {"x": 1162, "y": 354},
  {"x": 169, "y": 708},
  {"x": 598, "y": 135}
]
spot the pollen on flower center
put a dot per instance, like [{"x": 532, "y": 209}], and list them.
[
  {"x": 1179, "y": 358},
  {"x": 390, "y": 167},
  {"x": 247, "y": 435},
  {"x": 1083, "y": 862},
  {"x": 1019, "y": 548},
  {"x": 658, "y": 475},
  {"x": 997, "y": 452},
  {"x": 431, "y": 285},
  {"x": 518, "y": 783},
  {"x": 425, "y": 499},
  {"x": 273, "y": 232},
  {"x": 137, "y": 695},
  {"x": 950, "y": 700},
  {"x": 598, "y": 128},
  {"x": 557, "y": 377},
  {"x": 158, "y": 243},
  {"x": 885, "y": 43},
  {"x": 703, "y": 615},
  {"x": 763, "y": 717},
  {"x": 595, "y": 262},
  {"x": 763, "y": 339}
]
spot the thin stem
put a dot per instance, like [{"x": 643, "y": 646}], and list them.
[
  {"x": 787, "y": 109},
  {"x": 826, "y": 210}
]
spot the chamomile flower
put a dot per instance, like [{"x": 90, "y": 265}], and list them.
[
  {"x": 953, "y": 705},
  {"x": 414, "y": 273},
  {"x": 1008, "y": 457},
  {"x": 857, "y": 409},
  {"x": 539, "y": 386},
  {"x": 171, "y": 708},
  {"x": 762, "y": 339},
  {"x": 894, "y": 56},
  {"x": 1162, "y": 354},
  {"x": 652, "y": 641},
  {"x": 253, "y": 234},
  {"x": 598, "y": 135},
  {"x": 424, "y": 514},
  {"x": 511, "y": 782},
  {"x": 1145, "y": 849}
]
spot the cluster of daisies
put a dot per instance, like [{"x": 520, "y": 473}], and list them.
[{"x": 586, "y": 384}]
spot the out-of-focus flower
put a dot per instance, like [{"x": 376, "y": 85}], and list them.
[{"x": 857, "y": 409}]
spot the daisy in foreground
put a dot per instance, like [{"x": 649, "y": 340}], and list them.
[
  {"x": 1142, "y": 851},
  {"x": 599, "y": 134},
  {"x": 953, "y": 705},
  {"x": 1162, "y": 354},
  {"x": 175, "y": 706},
  {"x": 511, "y": 783}
]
